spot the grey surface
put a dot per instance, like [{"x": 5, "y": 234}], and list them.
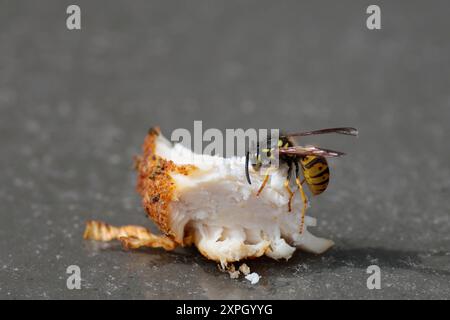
[{"x": 75, "y": 107}]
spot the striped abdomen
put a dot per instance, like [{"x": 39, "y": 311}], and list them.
[{"x": 316, "y": 173}]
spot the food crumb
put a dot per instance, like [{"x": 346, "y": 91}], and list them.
[
  {"x": 244, "y": 269},
  {"x": 234, "y": 274},
  {"x": 253, "y": 278}
]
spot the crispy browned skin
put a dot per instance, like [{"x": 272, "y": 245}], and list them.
[
  {"x": 132, "y": 237},
  {"x": 155, "y": 183},
  {"x": 157, "y": 188}
]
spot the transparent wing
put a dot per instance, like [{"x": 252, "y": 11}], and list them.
[
  {"x": 342, "y": 130},
  {"x": 310, "y": 151}
]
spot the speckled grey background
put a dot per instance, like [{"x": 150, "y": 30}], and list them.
[{"x": 76, "y": 105}]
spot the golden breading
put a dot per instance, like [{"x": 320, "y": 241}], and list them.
[
  {"x": 156, "y": 187},
  {"x": 155, "y": 184},
  {"x": 132, "y": 237}
]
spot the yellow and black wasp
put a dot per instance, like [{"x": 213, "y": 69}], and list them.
[{"x": 311, "y": 160}]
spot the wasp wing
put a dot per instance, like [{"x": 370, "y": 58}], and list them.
[
  {"x": 310, "y": 151},
  {"x": 341, "y": 130}
]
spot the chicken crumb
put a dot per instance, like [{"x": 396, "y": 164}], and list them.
[
  {"x": 244, "y": 269},
  {"x": 253, "y": 278},
  {"x": 234, "y": 274}
]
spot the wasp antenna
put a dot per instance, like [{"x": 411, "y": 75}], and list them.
[{"x": 247, "y": 174}]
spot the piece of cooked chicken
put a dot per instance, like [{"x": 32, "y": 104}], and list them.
[{"x": 207, "y": 201}]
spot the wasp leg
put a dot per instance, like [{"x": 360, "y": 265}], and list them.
[
  {"x": 286, "y": 185},
  {"x": 266, "y": 178},
  {"x": 303, "y": 196}
]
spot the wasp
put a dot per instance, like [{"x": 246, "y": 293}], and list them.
[{"x": 310, "y": 160}]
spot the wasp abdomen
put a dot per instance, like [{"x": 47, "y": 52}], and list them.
[{"x": 316, "y": 173}]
